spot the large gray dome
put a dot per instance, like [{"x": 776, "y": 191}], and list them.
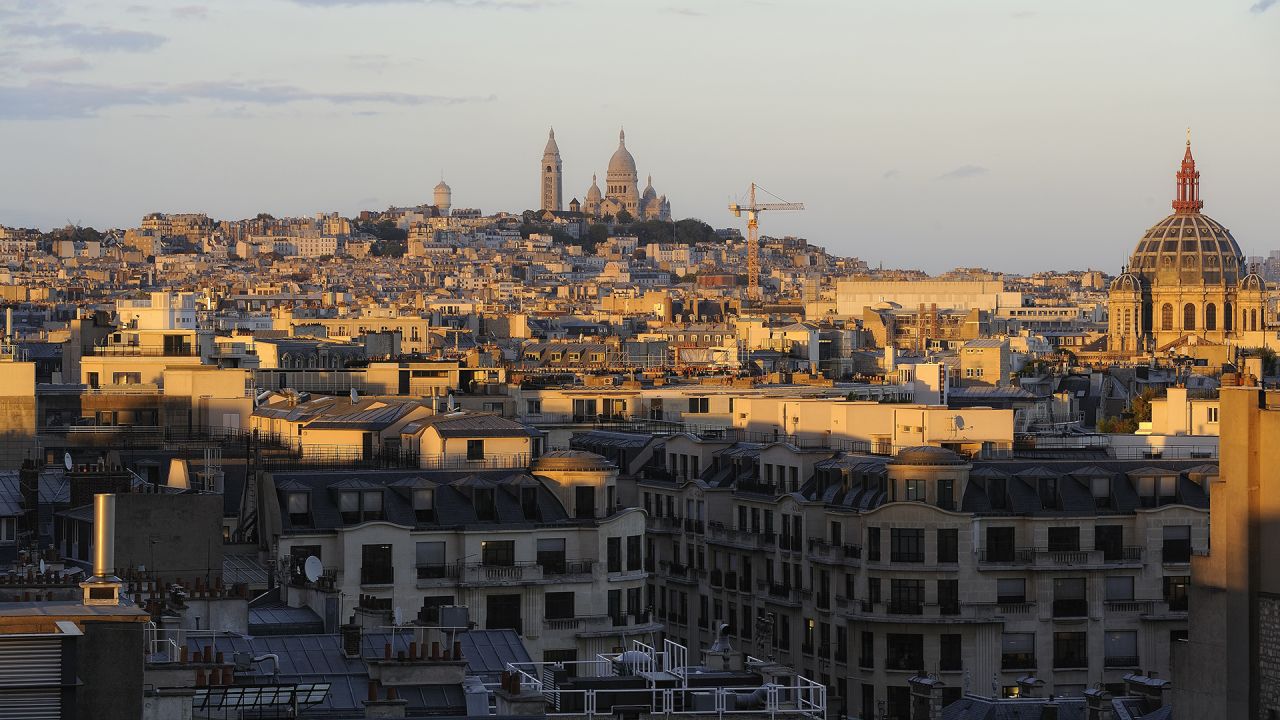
[{"x": 1188, "y": 248}]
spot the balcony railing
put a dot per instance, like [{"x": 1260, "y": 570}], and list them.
[
  {"x": 1070, "y": 662},
  {"x": 1007, "y": 556},
  {"x": 377, "y": 576},
  {"x": 904, "y": 662},
  {"x": 1128, "y": 553},
  {"x": 903, "y": 556},
  {"x": 1130, "y": 606},
  {"x": 1120, "y": 661},
  {"x": 904, "y": 607}
]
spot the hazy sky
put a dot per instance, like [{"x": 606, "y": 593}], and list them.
[{"x": 919, "y": 133}]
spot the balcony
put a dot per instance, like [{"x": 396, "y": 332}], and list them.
[
  {"x": 1120, "y": 661},
  {"x": 1126, "y": 554},
  {"x": 717, "y": 578},
  {"x": 1070, "y": 608},
  {"x": 561, "y": 570},
  {"x": 904, "y": 607},
  {"x": 1142, "y": 607},
  {"x": 904, "y": 662},
  {"x": 1007, "y": 556},
  {"x": 1018, "y": 661},
  {"x": 1071, "y": 661},
  {"x": 851, "y": 552},
  {"x": 446, "y": 571},
  {"x": 562, "y": 623},
  {"x": 479, "y": 573},
  {"x": 1019, "y": 607},
  {"x": 906, "y": 557}
]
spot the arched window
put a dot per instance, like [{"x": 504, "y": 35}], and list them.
[
  {"x": 1228, "y": 319},
  {"x": 1189, "y": 317},
  {"x": 1253, "y": 319},
  {"x": 1166, "y": 317},
  {"x": 1210, "y": 317},
  {"x": 1128, "y": 318}
]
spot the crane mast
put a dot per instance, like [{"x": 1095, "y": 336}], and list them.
[{"x": 753, "y": 210}]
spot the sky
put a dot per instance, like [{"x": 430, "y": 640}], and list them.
[{"x": 930, "y": 134}]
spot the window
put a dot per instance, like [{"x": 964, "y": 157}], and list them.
[
  {"x": 126, "y": 378},
  {"x": 905, "y": 651},
  {"x": 529, "y": 504},
  {"x": 949, "y": 652},
  {"x": 1069, "y": 599},
  {"x": 914, "y": 491},
  {"x": 949, "y": 597},
  {"x": 430, "y": 560},
  {"x": 551, "y": 555},
  {"x": 699, "y": 405},
  {"x": 299, "y": 508},
  {"x": 533, "y": 407},
  {"x": 1166, "y": 317},
  {"x": 486, "y": 509},
  {"x": 559, "y": 605},
  {"x": 498, "y": 552},
  {"x": 948, "y": 545},
  {"x": 906, "y": 545},
  {"x": 946, "y": 494},
  {"x": 1210, "y": 317},
  {"x": 1213, "y": 414},
  {"x": 1018, "y": 651},
  {"x": 873, "y": 544},
  {"x": 1011, "y": 591},
  {"x": 906, "y": 596},
  {"x": 1000, "y": 547},
  {"x": 1175, "y": 592},
  {"x": 502, "y": 612},
  {"x": 1070, "y": 650},
  {"x": 867, "y": 654},
  {"x": 584, "y": 497},
  {"x": 475, "y": 450},
  {"x": 1064, "y": 539},
  {"x": 375, "y": 565},
  {"x": 424, "y": 505},
  {"x": 1177, "y": 544},
  {"x": 1119, "y": 588},
  {"x": 1189, "y": 317},
  {"x": 1121, "y": 649},
  {"x": 635, "y": 555},
  {"x": 1110, "y": 540},
  {"x": 360, "y": 506},
  {"x": 614, "y": 554}
]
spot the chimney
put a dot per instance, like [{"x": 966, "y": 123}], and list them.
[
  {"x": 1049, "y": 711},
  {"x": 1097, "y": 703},
  {"x": 104, "y": 587},
  {"x": 351, "y": 639}
]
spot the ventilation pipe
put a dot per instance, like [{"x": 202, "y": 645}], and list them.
[{"x": 104, "y": 587}]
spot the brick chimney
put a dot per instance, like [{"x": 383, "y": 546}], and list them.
[
  {"x": 926, "y": 697},
  {"x": 1097, "y": 704}
]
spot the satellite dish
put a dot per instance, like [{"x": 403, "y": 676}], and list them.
[
  {"x": 66, "y": 461},
  {"x": 959, "y": 421},
  {"x": 355, "y": 396},
  {"x": 41, "y": 566},
  {"x": 452, "y": 407},
  {"x": 313, "y": 568},
  {"x": 397, "y": 616}
]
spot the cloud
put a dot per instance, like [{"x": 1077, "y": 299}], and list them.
[
  {"x": 1261, "y": 6},
  {"x": 478, "y": 4},
  {"x": 889, "y": 175},
  {"x": 53, "y": 67},
  {"x": 55, "y": 99},
  {"x": 90, "y": 39},
  {"x": 190, "y": 12},
  {"x": 687, "y": 12},
  {"x": 963, "y": 172}
]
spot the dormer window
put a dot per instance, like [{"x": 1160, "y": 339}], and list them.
[
  {"x": 484, "y": 503},
  {"x": 359, "y": 507},
  {"x": 529, "y": 503},
  {"x": 1101, "y": 489},
  {"x": 299, "y": 504},
  {"x": 424, "y": 505}
]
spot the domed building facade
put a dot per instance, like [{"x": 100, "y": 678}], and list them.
[
  {"x": 621, "y": 191},
  {"x": 1186, "y": 282}
]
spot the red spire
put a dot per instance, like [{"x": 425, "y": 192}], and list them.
[{"x": 1187, "y": 201}]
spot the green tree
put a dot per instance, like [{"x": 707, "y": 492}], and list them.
[{"x": 624, "y": 217}]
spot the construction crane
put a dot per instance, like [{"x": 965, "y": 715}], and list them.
[{"x": 753, "y": 210}]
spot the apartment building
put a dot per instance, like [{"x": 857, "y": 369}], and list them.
[
  {"x": 546, "y": 551},
  {"x": 862, "y": 571}
]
